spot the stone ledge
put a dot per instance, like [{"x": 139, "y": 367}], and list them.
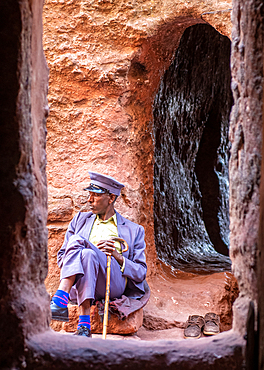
[
  {"x": 115, "y": 326},
  {"x": 51, "y": 350}
]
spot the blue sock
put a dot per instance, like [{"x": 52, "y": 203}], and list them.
[
  {"x": 84, "y": 320},
  {"x": 61, "y": 298}
]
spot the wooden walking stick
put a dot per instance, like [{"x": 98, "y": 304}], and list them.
[{"x": 107, "y": 291}]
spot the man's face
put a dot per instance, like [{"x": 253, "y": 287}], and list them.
[{"x": 99, "y": 203}]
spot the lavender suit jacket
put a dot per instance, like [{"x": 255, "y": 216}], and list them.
[{"x": 135, "y": 260}]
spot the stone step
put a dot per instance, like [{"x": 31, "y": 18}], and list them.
[{"x": 129, "y": 325}]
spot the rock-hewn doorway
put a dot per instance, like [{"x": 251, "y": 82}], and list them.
[{"x": 191, "y": 121}]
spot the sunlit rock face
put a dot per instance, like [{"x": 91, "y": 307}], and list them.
[
  {"x": 191, "y": 121},
  {"x": 106, "y": 60}
]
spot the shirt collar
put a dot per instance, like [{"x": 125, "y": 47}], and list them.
[{"x": 112, "y": 218}]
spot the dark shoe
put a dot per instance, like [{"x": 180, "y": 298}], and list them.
[
  {"x": 59, "y": 313},
  {"x": 212, "y": 322},
  {"x": 194, "y": 326},
  {"x": 83, "y": 331}
]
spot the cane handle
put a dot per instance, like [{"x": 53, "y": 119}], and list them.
[{"x": 122, "y": 241}]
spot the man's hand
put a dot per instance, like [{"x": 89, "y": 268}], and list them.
[{"x": 108, "y": 247}]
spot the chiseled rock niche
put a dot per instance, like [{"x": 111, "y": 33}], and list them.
[{"x": 191, "y": 122}]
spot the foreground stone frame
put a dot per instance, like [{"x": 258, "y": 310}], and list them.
[
  {"x": 62, "y": 351},
  {"x": 26, "y": 340}
]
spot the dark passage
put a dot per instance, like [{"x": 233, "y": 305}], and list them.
[{"x": 191, "y": 120}]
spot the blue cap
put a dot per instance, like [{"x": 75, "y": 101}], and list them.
[{"x": 102, "y": 184}]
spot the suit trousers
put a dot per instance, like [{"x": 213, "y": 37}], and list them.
[{"x": 88, "y": 264}]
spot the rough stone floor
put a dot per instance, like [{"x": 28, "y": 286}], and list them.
[
  {"x": 175, "y": 296},
  {"x": 144, "y": 334}
]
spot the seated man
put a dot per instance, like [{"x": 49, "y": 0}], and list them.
[{"x": 83, "y": 256}]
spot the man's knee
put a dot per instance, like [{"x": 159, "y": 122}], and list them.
[{"x": 89, "y": 255}]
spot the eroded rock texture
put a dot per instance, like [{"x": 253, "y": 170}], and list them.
[
  {"x": 246, "y": 139},
  {"x": 24, "y": 303},
  {"x": 191, "y": 122},
  {"x": 61, "y": 352},
  {"x": 106, "y": 59}
]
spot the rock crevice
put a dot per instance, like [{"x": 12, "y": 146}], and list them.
[{"x": 191, "y": 122}]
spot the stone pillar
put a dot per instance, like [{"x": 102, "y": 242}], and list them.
[
  {"x": 260, "y": 273},
  {"x": 23, "y": 196},
  {"x": 245, "y": 162}
]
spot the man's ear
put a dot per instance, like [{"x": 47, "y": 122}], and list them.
[{"x": 112, "y": 198}]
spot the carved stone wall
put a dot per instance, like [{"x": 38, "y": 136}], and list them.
[
  {"x": 24, "y": 302},
  {"x": 246, "y": 139},
  {"x": 106, "y": 61}
]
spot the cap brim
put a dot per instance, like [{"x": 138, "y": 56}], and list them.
[{"x": 95, "y": 189}]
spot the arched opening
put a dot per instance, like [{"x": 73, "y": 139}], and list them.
[{"x": 191, "y": 123}]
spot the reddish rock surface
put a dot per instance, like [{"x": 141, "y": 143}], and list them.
[
  {"x": 115, "y": 326},
  {"x": 175, "y": 295},
  {"x": 106, "y": 62}
]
